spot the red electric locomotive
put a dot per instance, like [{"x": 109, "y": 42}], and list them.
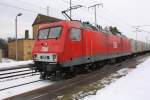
[{"x": 62, "y": 46}]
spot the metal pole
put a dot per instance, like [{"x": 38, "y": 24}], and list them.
[
  {"x": 94, "y": 6},
  {"x": 16, "y": 34},
  {"x": 47, "y": 10},
  {"x": 70, "y": 8},
  {"x": 136, "y": 39},
  {"x": 95, "y": 16},
  {"x": 16, "y": 39}
]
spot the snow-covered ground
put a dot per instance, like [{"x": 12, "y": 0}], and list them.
[
  {"x": 12, "y": 63},
  {"x": 22, "y": 89},
  {"x": 37, "y": 83},
  {"x": 133, "y": 86}
]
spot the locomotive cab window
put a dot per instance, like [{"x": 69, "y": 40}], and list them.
[
  {"x": 75, "y": 34},
  {"x": 43, "y": 33},
  {"x": 55, "y": 32},
  {"x": 50, "y": 33}
]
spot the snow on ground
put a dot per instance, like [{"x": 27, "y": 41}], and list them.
[
  {"x": 6, "y": 60},
  {"x": 134, "y": 86},
  {"x": 22, "y": 89},
  {"x": 13, "y": 63}
]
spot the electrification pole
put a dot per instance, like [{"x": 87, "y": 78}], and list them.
[
  {"x": 16, "y": 30},
  {"x": 47, "y": 10},
  {"x": 95, "y": 10},
  {"x": 70, "y": 8}
]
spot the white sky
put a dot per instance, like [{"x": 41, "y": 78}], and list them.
[{"x": 121, "y": 13}]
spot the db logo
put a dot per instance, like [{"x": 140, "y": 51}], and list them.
[
  {"x": 115, "y": 45},
  {"x": 44, "y": 48}
]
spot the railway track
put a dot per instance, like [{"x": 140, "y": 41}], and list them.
[
  {"x": 68, "y": 86},
  {"x": 12, "y": 73},
  {"x": 15, "y": 80},
  {"x": 18, "y": 85}
]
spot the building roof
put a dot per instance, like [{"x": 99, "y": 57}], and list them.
[{"x": 40, "y": 19}]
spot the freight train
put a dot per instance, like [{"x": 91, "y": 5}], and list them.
[{"x": 64, "y": 46}]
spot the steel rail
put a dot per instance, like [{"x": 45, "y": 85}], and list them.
[
  {"x": 15, "y": 72},
  {"x": 16, "y": 67},
  {"x": 15, "y": 78},
  {"x": 19, "y": 85},
  {"x": 16, "y": 75}
]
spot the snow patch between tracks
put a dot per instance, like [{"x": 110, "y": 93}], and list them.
[{"x": 22, "y": 89}]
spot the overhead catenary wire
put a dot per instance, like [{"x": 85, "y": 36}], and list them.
[
  {"x": 31, "y": 4},
  {"x": 29, "y": 10},
  {"x": 125, "y": 27},
  {"x": 124, "y": 24},
  {"x": 20, "y": 8},
  {"x": 116, "y": 17},
  {"x": 67, "y": 2},
  {"x": 108, "y": 12},
  {"x": 47, "y": 8},
  {"x": 95, "y": 10},
  {"x": 108, "y": 19}
]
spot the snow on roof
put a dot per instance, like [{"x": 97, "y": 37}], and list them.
[
  {"x": 134, "y": 86},
  {"x": 44, "y": 19}
]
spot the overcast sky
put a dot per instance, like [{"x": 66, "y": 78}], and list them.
[{"x": 121, "y": 13}]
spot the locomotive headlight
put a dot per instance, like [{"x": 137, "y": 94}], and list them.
[
  {"x": 35, "y": 56},
  {"x": 54, "y": 57}
]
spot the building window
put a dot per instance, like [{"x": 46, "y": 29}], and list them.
[{"x": 75, "y": 34}]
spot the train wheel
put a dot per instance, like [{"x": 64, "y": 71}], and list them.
[
  {"x": 93, "y": 67},
  {"x": 42, "y": 75},
  {"x": 56, "y": 76},
  {"x": 70, "y": 72}
]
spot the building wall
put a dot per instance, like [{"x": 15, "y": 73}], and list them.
[
  {"x": 11, "y": 50},
  {"x": 20, "y": 50},
  {"x": 27, "y": 49},
  {"x": 24, "y": 49}
]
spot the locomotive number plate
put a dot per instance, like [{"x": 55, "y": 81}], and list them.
[{"x": 46, "y": 57}]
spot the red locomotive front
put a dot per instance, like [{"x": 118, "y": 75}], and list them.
[{"x": 50, "y": 52}]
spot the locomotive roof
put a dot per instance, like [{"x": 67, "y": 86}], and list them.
[{"x": 98, "y": 28}]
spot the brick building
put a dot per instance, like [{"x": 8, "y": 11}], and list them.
[{"x": 24, "y": 49}]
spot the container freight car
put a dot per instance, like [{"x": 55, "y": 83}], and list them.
[{"x": 62, "y": 46}]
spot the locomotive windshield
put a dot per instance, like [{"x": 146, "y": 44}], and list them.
[
  {"x": 50, "y": 33},
  {"x": 43, "y": 34}
]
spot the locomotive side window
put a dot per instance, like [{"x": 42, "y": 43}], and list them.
[
  {"x": 54, "y": 32},
  {"x": 43, "y": 34},
  {"x": 75, "y": 34}
]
